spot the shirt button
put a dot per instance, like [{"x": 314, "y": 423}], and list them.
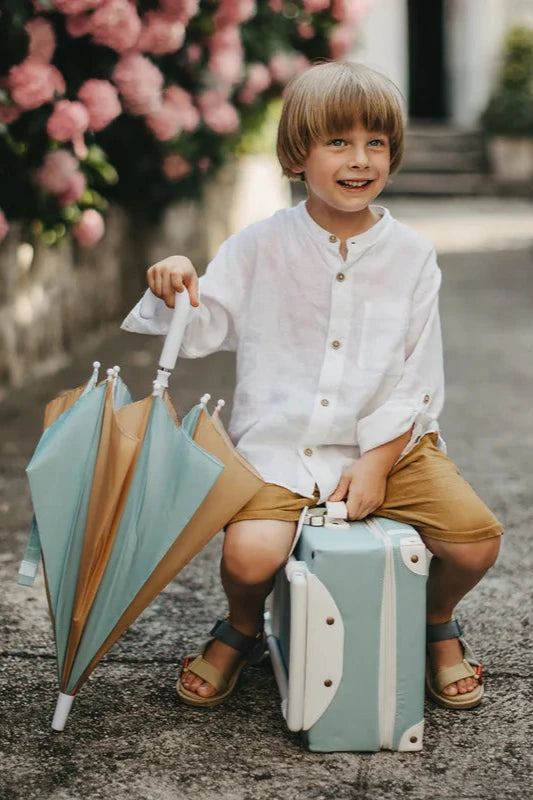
[
  {"x": 340, "y": 276},
  {"x": 427, "y": 398},
  {"x": 324, "y": 402},
  {"x": 308, "y": 451},
  {"x": 336, "y": 344},
  {"x": 332, "y": 238}
]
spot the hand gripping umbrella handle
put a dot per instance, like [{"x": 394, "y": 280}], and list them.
[
  {"x": 178, "y": 323},
  {"x": 174, "y": 337}
]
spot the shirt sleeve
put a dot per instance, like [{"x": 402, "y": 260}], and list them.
[
  {"x": 418, "y": 397},
  {"x": 215, "y": 324}
]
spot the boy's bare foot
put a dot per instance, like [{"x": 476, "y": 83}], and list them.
[
  {"x": 447, "y": 653},
  {"x": 221, "y": 656}
]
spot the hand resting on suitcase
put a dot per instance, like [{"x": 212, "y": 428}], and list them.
[{"x": 363, "y": 483}]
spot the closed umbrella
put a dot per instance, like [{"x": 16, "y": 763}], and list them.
[{"x": 145, "y": 494}]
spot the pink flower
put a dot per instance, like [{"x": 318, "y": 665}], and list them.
[
  {"x": 180, "y": 10},
  {"x": 100, "y": 98},
  {"x": 218, "y": 114},
  {"x": 314, "y": 6},
  {"x": 226, "y": 65},
  {"x": 67, "y": 123},
  {"x": 89, "y": 229},
  {"x": 42, "y": 39},
  {"x": 8, "y": 114},
  {"x": 33, "y": 83},
  {"x": 258, "y": 79},
  {"x": 164, "y": 124},
  {"x": 175, "y": 167},
  {"x": 226, "y": 55},
  {"x": 182, "y": 101},
  {"x": 284, "y": 66},
  {"x": 160, "y": 34},
  {"x": 4, "y": 226},
  {"x": 276, "y": 6},
  {"x": 76, "y": 187},
  {"x": 234, "y": 12},
  {"x": 349, "y": 11},
  {"x": 54, "y": 176},
  {"x": 116, "y": 24},
  {"x": 77, "y": 6},
  {"x": 79, "y": 25},
  {"x": 306, "y": 30},
  {"x": 194, "y": 52},
  {"x": 139, "y": 82},
  {"x": 340, "y": 40}
]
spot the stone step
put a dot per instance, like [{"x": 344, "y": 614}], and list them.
[
  {"x": 440, "y": 148},
  {"x": 442, "y": 183}
]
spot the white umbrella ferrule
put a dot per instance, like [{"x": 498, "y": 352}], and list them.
[
  {"x": 204, "y": 400},
  {"x": 64, "y": 704},
  {"x": 110, "y": 373},
  {"x": 219, "y": 406}
]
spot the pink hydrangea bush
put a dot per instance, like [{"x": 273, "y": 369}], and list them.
[{"x": 114, "y": 100}]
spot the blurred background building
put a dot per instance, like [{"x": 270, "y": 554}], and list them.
[{"x": 443, "y": 54}]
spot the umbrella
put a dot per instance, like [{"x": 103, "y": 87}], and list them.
[{"x": 124, "y": 495}]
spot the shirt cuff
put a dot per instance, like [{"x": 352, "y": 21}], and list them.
[{"x": 385, "y": 424}]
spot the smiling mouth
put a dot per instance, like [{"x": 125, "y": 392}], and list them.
[{"x": 354, "y": 184}]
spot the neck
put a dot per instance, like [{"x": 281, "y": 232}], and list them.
[{"x": 343, "y": 225}]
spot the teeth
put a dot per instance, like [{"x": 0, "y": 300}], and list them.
[{"x": 355, "y": 184}]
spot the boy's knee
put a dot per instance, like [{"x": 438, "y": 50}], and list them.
[
  {"x": 251, "y": 559},
  {"x": 477, "y": 556},
  {"x": 250, "y": 566}
]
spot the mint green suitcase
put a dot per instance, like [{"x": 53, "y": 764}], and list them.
[{"x": 346, "y": 633}]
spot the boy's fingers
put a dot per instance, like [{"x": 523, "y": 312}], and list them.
[
  {"x": 191, "y": 282},
  {"x": 167, "y": 292}
]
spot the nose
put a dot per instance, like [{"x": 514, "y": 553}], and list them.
[{"x": 358, "y": 157}]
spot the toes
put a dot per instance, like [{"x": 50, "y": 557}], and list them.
[
  {"x": 205, "y": 690},
  {"x": 451, "y": 690}
]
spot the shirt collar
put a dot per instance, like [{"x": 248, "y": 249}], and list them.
[{"x": 359, "y": 242}]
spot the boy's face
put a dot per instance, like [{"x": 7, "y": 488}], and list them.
[{"x": 346, "y": 172}]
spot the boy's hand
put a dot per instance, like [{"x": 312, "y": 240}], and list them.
[
  {"x": 363, "y": 484},
  {"x": 173, "y": 274}
]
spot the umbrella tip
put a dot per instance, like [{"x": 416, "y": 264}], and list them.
[
  {"x": 116, "y": 369},
  {"x": 204, "y": 400},
  {"x": 110, "y": 373},
  {"x": 64, "y": 703},
  {"x": 220, "y": 405},
  {"x": 96, "y": 365}
]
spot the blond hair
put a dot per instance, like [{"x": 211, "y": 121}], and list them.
[{"x": 331, "y": 98}]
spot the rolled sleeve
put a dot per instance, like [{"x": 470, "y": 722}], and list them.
[{"x": 418, "y": 397}]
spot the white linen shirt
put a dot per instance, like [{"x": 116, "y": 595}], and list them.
[{"x": 334, "y": 357}]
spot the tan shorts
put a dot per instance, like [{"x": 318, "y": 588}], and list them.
[{"x": 424, "y": 489}]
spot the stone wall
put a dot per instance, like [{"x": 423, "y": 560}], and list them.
[{"x": 50, "y": 298}]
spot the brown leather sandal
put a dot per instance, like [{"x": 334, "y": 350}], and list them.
[
  {"x": 252, "y": 648},
  {"x": 469, "y": 667}
]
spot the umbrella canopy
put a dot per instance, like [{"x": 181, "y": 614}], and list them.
[{"x": 124, "y": 496}]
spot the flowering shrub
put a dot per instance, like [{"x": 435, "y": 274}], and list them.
[{"x": 139, "y": 102}]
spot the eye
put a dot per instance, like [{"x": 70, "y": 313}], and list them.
[
  {"x": 337, "y": 142},
  {"x": 377, "y": 142}
]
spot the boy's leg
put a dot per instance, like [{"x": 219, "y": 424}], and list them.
[
  {"x": 254, "y": 550},
  {"x": 426, "y": 490},
  {"x": 454, "y": 571}
]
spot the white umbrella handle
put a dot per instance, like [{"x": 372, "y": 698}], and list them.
[{"x": 178, "y": 323}]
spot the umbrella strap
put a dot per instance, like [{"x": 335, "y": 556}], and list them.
[{"x": 32, "y": 556}]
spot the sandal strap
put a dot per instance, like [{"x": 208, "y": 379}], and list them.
[
  {"x": 453, "y": 674},
  {"x": 207, "y": 672},
  {"x": 226, "y": 633},
  {"x": 443, "y": 630}
]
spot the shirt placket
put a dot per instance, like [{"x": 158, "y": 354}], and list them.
[{"x": 326, "y": 401}]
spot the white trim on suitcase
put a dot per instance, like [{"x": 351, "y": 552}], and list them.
[{"x": 387, "y": 654}]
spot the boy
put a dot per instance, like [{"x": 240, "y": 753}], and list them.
[{"x": 332, "y": 308}]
